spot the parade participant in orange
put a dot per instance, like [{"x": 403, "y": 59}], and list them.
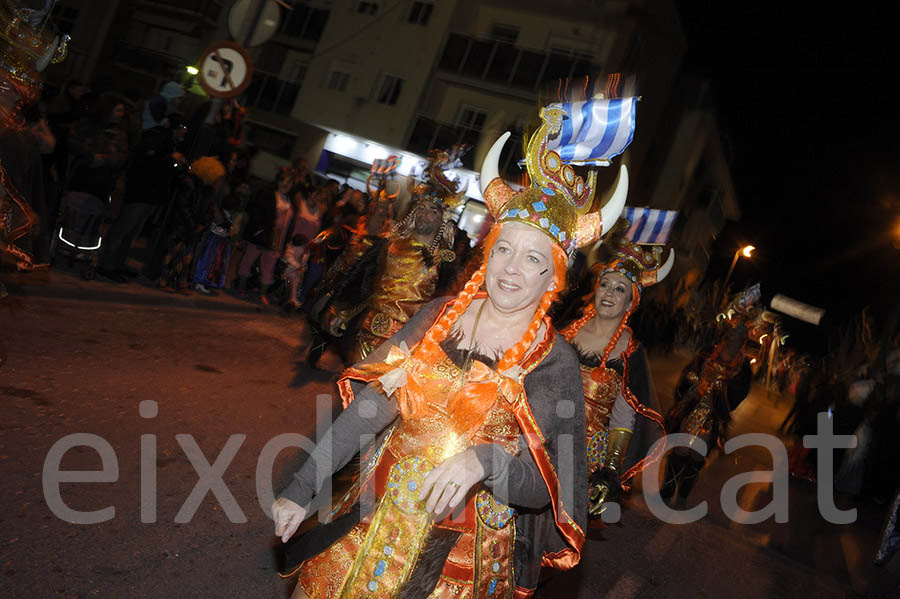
[
  {"x": 618, "y": 386},
  {"x": 473, "y": 404},
  {"x": 344, "y": 290},
  {"x": 418, "y": 255}
]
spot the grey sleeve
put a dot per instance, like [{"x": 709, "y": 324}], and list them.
[
  {"x": 622, "y": 415},
  {"x": 513, "y": 480},
  {"x": 368, "y": 415}
]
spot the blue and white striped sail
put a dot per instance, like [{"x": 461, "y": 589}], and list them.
[
  {"x": 648, "y": 225},
  {"x": 595, "y": 130}
]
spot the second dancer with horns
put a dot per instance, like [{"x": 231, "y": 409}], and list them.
[
  {"x": 618, "y": 387},
  {"x": 478, "y": 473}
]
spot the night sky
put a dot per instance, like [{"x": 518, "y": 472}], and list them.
[{"x": 807, "y": 100}]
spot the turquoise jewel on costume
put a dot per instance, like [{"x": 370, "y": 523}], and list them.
[
  {"x": 544, "y": 222},
  {"x": 380, "y": 567},
  {"x": 555, "y": 230},
  {"x": 548, "y": 191},
  {"x": 539, "y": 206},
  {"x": 405, "y": 478},
  {"x": 492, "y": 587}
]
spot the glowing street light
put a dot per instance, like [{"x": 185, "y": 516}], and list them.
[
  {"x": 192, "y": 71},
  {"x": 746, "y": 251}
]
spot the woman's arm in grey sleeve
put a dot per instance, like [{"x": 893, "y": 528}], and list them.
[
  {"x": 361, "y": 417},
  {"x": 368, "y": 415},
  {"x": 513, "y": 480}
]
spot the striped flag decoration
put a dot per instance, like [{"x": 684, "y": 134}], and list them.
[
  {"x": 648, "y": 225},
  {"x": 595, "y": 130},
  {"x": 386, "y": 166}
]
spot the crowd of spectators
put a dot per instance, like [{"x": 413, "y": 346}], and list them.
[{"x": 118, "y": 169}]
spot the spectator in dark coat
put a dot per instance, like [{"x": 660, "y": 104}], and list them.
[{"x": 149, "y": 179}]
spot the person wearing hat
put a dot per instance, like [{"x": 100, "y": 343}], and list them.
[
  {"x": 478, "y": 474},
  {"x": 618, "y": 388},
  {"x": 162, "y": 104},
  {"x": 712, "y": 386},
  {"x": 343, "y": 292},
  {"x": 417, "y": 259}
]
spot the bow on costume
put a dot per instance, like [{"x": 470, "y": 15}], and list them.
[{"x": 400, "y": 376}]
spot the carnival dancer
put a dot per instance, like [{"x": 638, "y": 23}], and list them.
[
  {"x": 342, "y": 294},
  {"x": 418, "y": 255},
  {"x": 615, "y": 371},
  {"x": 28, "y": 44},
  {"x": 712, "y": 386},
  {"x": 475, "y": 397}
]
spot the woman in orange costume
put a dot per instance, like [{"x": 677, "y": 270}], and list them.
[
  {"x": 478, "y": 475},
  {"x": 614, "y": 368}
]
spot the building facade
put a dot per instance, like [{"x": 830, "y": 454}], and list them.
[{"x": 343, "y": 82}]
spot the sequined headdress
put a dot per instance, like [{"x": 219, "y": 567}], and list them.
[
  {"x": 744, "y": 307},
  {"x": 438, "y": 187},
  {"x": 641, "y": 264},
  {"x": 27, "y": 45},
  {"x": 559, "y": 201}
]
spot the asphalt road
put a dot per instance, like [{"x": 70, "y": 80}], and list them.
[{"x": 227, "y": 377}]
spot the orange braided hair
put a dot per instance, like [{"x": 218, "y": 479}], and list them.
[{"x": 469, "y": 406}]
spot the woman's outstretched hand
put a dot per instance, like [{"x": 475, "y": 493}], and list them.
[
  {"x": 450, "y": 482},
  {"x": 288, "y": 517}
]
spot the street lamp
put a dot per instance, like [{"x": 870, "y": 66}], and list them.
[{"x": 746, "y": 251}]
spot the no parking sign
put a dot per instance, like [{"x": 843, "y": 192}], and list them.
[{"x": 225, "y": 70}]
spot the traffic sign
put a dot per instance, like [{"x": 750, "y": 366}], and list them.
[{"x": 225, "y": 70}]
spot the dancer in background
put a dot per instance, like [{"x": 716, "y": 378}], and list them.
[
  {"x": 618, "y": 387},
  {"x": 418, "y": 255}
]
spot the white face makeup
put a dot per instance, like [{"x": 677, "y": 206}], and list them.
[
  {"x": 520, "y": 268},
  {"x": 613, "y": 297}
]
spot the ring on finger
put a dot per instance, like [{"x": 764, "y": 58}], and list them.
[{"x": 455, "y": 485}]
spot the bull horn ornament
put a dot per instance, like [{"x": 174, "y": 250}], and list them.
[{"x": 666, "y": 268}]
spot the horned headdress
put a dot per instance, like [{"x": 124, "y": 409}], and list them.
[{"x": 559, "y": 201}]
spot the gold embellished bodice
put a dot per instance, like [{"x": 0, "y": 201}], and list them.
[
  {"x": 433, "y": 436},
  {"x": 406, "y": 281}
]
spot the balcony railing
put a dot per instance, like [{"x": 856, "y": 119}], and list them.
[
  {"x": 210, "y": 10},
  {"x": 506, "y": 64},
  {"x": 145, "y": 60},
  {"x": 429, "y": 133}
]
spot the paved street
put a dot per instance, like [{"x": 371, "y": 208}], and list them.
[{"x": 80, "y": 357}]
